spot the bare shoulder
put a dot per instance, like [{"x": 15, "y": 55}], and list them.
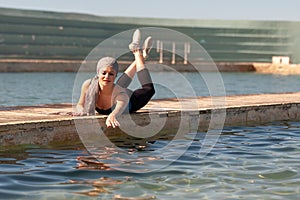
[
  {"x": 86, "y": 83},
  {"x": 119, "y": 89}
]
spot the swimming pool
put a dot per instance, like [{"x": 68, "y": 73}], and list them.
[
  {"x": 248, "y": 162},
  {"x": 17, "y": 89}
]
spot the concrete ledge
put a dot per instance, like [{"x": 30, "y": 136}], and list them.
[
  {"x": 50, "y": 124},
  {"x": 271, "y": 68},
  {"x": 43, "y": 65}
]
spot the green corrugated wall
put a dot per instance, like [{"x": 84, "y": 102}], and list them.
[{"x": 49, "y": 35}]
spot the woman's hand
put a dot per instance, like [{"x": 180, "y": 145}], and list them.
[
  {"x": 112, "y": 121},
  {"x": 121, "y": 102},
  {"x": 78, "y": 114},
  {"x": 78, "y": 111}
]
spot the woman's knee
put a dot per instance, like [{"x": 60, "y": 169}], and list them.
[{"x": 149, "y": 88}]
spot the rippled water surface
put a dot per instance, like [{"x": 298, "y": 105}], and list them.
[{"x": 249, "y": 162}]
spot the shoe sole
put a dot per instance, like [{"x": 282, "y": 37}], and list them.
[
  {"x": 147, "y": 46},
  {"x": 135, "y": 44},
  {"x": 136, "y": 37}
]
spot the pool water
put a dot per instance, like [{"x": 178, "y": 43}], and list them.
[
  {"x": 18, "y": 89},
  {"x": 247, "y": 162}
]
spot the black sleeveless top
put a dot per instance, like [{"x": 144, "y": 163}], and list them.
[
  {"x": 109, "y": 110},
  {"x": 104, "y": 112}
]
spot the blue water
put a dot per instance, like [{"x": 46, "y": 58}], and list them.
[
  {"x": 247, "y": 162},
  {"x": 18, "y": 89}
]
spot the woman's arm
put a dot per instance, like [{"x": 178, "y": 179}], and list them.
[
  {"x": 81, "y": 101},
  {"x": 121, "y": 103}
]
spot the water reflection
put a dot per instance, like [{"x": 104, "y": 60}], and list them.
[{"x": 252, "y": 162}]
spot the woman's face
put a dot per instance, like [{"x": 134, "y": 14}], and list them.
[{"x": 107, "y": 76}]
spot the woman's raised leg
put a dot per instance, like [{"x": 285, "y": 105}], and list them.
[{"x": 139, "y": 63}]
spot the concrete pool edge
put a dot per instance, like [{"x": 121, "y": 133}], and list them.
[{"x": 54, "y": 128}]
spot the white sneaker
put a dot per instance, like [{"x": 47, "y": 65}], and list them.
[
  {"x": 147, "y": 46},
  {"x": 135, "y": 44}
]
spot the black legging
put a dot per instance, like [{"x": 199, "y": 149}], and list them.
[{"x": 140, "y": 97}]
